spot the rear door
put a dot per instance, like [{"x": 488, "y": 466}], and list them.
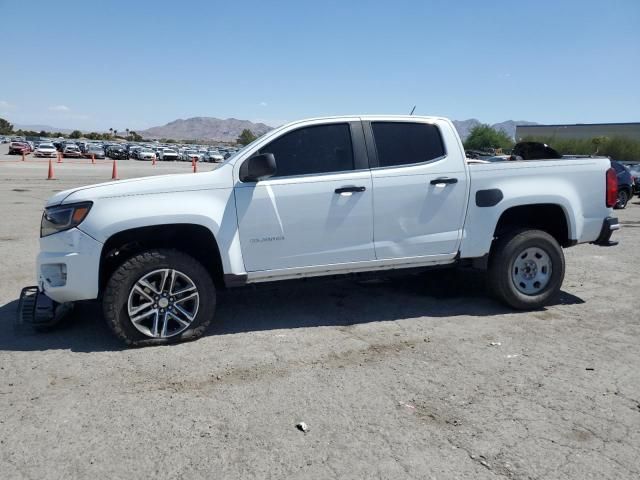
[
  {"x": 317, "y": 209},
  {"x": 420, "y": 188}
]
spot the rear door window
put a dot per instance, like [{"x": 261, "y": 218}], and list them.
[{"x": 403, "y": 143}]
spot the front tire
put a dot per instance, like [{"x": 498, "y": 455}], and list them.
[
  {"x": 526, "y": 269},
  {"x": 159, "y": 297}
]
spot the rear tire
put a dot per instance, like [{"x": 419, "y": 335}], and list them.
[
  {"x": 526, "y": 269},
  {"x": 170, "y": 317}
]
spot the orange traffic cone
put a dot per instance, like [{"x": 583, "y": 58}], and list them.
[
  {"x": 59, "y": 157},
  {"x": 195, "y": 165},
  {"x": 50, "y": 175},
  {"x": 23, "y": 159},
  {"x": 153, "y": 160},
  {"x": 114, "y": 171},
  {"x": 93, "y": 158}
]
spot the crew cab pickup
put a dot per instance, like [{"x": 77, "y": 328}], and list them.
[{"x": 329, "y": 196}]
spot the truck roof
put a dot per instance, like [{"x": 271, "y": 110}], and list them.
[{"x": 372, "y": 117}]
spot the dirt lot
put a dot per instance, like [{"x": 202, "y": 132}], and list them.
[{"x": 410, "y": 377}]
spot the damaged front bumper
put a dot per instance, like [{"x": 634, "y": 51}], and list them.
[{"x": 38, "y": 310}]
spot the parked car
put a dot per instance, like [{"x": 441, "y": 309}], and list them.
[
  {"x": 145, "y": 154},
  {"x": 168, "y": 154},
  {"x": 72, "y": 151},
  {"x": 213, "y": 156},
  {"x": 118, "y": 152},
  {"x": 190, "y": 155},
  {"x": 133, "y": 151},
  {"x": 625, "y": 184},
  {"x": 95, "y": 151},
  {"x": 18, "y": 148},
  {"x": 310, "y": 198},
  {"x": 67, "y": 143},
  {"x": 634, "y": 168},
  {"x": 45, "y": 150}
]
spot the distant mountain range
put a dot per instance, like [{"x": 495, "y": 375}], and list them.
[
  {"x": 42, "y": 128},
  {"x": 209, "y": 128},
  {"x": 227, "y": 130},
  {"x": 205, "y": 128}
]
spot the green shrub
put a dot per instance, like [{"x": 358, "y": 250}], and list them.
[{"x": 484, "y": 137}]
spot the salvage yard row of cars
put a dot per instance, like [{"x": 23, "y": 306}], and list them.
[{"x": 120, "y": 151}]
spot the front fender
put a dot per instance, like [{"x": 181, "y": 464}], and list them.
[{"x": 212, "y": 209}]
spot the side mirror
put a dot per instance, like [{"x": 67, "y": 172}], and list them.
[{"x": 258, "y": 167}]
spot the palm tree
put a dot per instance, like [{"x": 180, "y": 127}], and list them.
[
  {"x": 111, "y": 131},
  {"x": 115, "y": 133},
  {"x": 127, "y": 133}
]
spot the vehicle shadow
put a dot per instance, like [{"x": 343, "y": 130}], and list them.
[
  {"x": 297, "y": 304},
  {"x": 293, "y": 304}
]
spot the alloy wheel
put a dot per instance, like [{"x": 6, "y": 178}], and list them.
[{"x": 163, "y": 303}]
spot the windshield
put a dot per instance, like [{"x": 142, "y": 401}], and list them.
[{"x": 46, "y": 145}]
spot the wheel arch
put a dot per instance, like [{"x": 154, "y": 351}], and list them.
[
  {"x": 548, "y": 217},
  {"x": 195, "y": 240}
]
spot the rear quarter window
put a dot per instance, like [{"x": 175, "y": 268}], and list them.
[{"x": 403, "y": 143}]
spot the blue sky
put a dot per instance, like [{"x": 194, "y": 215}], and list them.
[{"x": 135, "y": 64}]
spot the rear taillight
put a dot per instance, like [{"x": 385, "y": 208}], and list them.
[{"x": 612, "y": 188}]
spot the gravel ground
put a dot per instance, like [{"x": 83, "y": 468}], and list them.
[{"x": 407, "y": 377}]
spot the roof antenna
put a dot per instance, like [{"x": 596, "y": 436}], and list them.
[{"x": 412, "y": 110}]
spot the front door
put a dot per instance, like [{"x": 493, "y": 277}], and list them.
[{"x": 317, "y": 209}]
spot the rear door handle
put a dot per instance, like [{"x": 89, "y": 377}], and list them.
[
  {"x": 445, "y": 180},
  {"x": 349, "y": 190}
]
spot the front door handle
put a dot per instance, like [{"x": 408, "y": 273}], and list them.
[
  {"x": 349, "y": 190},
  {"x": 445, "y": 180}
]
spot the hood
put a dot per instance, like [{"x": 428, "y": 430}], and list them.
[{"x": 222, "y": 177}]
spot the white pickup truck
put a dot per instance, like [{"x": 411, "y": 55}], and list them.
[{"x": 329, "y": 196}]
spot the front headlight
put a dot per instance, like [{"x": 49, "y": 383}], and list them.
[{"x": 63, "y": 217}]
